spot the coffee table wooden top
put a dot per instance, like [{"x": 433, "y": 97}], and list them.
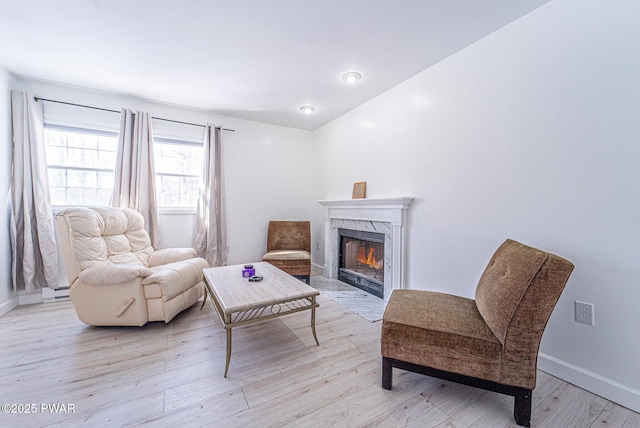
[{"x": 235, "y": 293}]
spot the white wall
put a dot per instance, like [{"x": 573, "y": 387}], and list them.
[
  {"x": 7, "y": 296},
  {"x": 266, "y": 170},
  {"x": 532, "y": 133}
]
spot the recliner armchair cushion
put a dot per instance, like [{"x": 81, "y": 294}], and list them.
[
  {"x": 113, "y": 274},
  {"x": 170, "y": 255},
  {"x": 102, "y": 236},
  {"x": 168, "y": 280}
]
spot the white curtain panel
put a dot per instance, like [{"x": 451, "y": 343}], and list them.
[
  {"x": 134, "y": 181},
  {"x": 209, "y": 235},
  {"x": 33, "y": 245}
]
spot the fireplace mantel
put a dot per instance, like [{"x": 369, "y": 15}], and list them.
[{"x": 388, "y": 216}]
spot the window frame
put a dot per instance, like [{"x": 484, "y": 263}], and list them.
[
  {"x": 77, "y": 129},
  {"x": 176, "y": 141}
]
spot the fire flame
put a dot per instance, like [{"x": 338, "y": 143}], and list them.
[{"x": 369, "y": 259}]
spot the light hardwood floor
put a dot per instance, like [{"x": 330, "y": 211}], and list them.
[{"x": 171, "y": 375}]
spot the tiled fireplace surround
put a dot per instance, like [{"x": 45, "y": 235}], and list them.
[{"x": 386, "y": 216}]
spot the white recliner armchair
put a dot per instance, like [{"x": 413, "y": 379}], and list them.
[{"x": 116, "y": 277}]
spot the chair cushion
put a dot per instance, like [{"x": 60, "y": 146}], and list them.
[
  {"x": 504, "y": 283},
  {"x": 287, "y": 255},
  {"x": 439, "y": 330},
  {"x": 289, "y": 235}
]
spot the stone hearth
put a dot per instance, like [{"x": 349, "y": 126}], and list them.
[{"x": 386, "y": 216}]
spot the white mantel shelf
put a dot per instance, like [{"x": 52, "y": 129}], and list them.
[
  {"x": 402, "y": 202},
  {"x": 388, "y": 216}
]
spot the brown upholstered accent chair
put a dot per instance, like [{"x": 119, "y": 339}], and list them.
[
  {"x": 289, "y": 247},
  {"x": 491, "y": 342}
]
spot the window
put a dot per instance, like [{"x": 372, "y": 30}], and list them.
[
  {"x": 80, "y": 164},
  {"x": 81, "y": 148},
  {"x": 81, "y": 145},
  {"x": 178, "y": 162},
  {"x": 178, "y": 172}
]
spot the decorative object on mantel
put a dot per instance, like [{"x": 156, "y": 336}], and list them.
[{"x": 359, "y": 190}]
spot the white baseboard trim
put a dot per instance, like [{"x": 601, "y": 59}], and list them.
[
  {"x": 29, "y": 298},
  {"x": 592, "y": 382},
  {"x": 316, "y": 268},
  {"x": 46, "y": 295},
  {"x": 9, "y": 305}
]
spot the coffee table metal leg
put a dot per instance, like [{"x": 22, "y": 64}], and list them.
[
  {"x": 204, "y": 299},
  {"x": 313, "y": 320},
  {"x": 226, "y": 366}
]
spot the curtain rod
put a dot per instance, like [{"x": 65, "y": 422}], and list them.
[{"x": 116, "y": 111}]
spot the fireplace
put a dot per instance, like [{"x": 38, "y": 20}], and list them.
[
  {"x": 386, "y": 217},
  {"x": 362, "y": 260}
]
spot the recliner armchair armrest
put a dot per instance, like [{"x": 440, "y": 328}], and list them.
[
  {"x": 113, "y": 274},
  {"x": 167, "y": 281},
  {"x": 171, "y": 255}
]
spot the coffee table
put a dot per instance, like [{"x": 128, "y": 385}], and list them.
[{"x": 239, "y": 301}]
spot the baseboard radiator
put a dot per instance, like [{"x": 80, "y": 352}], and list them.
[{"x": 54, "y": 294}]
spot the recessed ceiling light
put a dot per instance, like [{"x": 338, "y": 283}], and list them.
[
  {"x": 307, "y": 109},
  {"x": 351, "y": 77}
]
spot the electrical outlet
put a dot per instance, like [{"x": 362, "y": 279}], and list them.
[
  {"x": 584, "y": 312},
  {"x": 317, "y": 245}
]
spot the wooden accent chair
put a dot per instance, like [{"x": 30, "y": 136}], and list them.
[
  {"x": 491, "y": 342},
  {"x": 289, "y": 247}
]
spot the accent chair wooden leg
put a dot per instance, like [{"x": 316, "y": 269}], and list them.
[
  {"x": 387, "y": 373},
  {"x": 522, "y": 407}
]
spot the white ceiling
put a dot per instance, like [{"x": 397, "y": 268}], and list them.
[{"x": 252, "y": 59}]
